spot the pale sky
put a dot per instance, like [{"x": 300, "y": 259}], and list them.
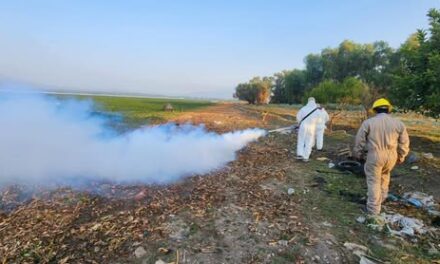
[{"x": 184, "y": 48}]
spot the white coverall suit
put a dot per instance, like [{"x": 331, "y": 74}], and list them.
[
  {"x": 386, "y": 141},
  {"x": 307, "y": 129},
  {"x": 323, "y": 118}
]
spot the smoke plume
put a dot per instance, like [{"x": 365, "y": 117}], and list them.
[{"x": 44, "y": 140}]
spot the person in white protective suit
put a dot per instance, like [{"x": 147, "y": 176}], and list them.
[
  {"x": 307, "y": 118},
  {"x": 323, "y": 118}
]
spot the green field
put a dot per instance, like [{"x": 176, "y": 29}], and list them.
[{"x": 140, "y": 111}]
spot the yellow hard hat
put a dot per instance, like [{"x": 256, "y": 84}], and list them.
[{"x": 382, "y": 102}]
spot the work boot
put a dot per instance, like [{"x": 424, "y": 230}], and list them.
[
  {"x": 362, "y": 201},
  {"x": 365, "y": 210},
  {"x": 367, "y": 213}
]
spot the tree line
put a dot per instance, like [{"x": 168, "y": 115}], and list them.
[{"x": 355, "y": 73}]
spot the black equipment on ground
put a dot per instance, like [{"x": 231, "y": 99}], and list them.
[{"x": 352, "y": 166}]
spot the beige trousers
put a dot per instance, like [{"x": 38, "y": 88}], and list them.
[{"x": 378, "y": 169}]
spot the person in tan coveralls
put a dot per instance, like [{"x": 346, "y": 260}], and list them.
[{"x": 386, "y": 143}]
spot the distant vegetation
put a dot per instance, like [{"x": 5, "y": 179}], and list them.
[
  {"x": 358, "y": 73},
  {"x": 256, "y": 91},
  {"x": 140, "y": 111}
]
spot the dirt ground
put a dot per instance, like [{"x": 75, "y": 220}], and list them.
[{"x": 239, "y": 214}]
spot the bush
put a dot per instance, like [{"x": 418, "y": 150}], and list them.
[
  {"x": 350, "y": 91},
  {"x": 256, "y": 91}
]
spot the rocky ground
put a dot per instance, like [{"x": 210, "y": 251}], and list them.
[{"x": 265, "y": 207}]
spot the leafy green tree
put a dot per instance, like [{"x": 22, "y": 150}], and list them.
[
  {"x": 384, "y": 61},
  {"x": 244, "y": 92},
  {"x": 295, "y": 86},
  {"x": 325, "y": 92},
  {"x": 417, "y": 81},
  {"x": 278, "y": 88},
  {"x": 372, "y": 63},
  {"x": 256, "y": 91},
  {"x": 329, "y": 63},
  {"x": 314, "y": 72},
  {"x": 349, "y": 91},
  {"x": 289, "y": 87}
]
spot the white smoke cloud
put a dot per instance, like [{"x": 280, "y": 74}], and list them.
[{"x": 43, "y": 140}]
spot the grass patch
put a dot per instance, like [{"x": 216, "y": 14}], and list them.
[{"x": 139, "y": 111}]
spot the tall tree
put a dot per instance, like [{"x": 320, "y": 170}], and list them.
[
  {"x": 314, "y": 72},
  {"x": 278, "y": 88},
  {"x": 384, "y": 62},
  {"x": 289, "y": 87},
  {"x": 244, "y": 92},
  {"x": 256, "y": 91},
  {"x": 295, "y": 86},
  {"x": 417, "y": 81},
  {"x": 369, "y": 62}
]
